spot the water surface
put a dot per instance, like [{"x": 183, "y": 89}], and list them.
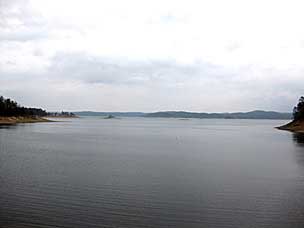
[{"x": 145, "y": 172}]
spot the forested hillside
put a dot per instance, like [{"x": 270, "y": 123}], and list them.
[{"x": 9, "y": 108}]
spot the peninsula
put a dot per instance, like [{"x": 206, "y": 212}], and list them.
[
  {"x": 297, "y": 124},
  {"x": 12, "y": 113}
]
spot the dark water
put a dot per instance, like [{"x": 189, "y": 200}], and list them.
[{"x": 138, "y": 172}]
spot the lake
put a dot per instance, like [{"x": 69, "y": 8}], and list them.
[{"x": 145, "y": 172}]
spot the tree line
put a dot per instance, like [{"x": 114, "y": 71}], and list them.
[
  {"x": 298, "y": 110},
  {"x": 61, "y": 114},
  {"x": 9, "y": 108}
]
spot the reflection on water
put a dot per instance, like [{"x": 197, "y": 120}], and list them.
[
  {"x": 299, "y": 138},
  {"x": 7, "y": 126}
]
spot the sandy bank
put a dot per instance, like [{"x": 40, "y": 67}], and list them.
[{"x": 21, "y": 119}]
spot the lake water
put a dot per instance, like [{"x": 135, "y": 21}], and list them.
[{"x": 142, "y": 172}]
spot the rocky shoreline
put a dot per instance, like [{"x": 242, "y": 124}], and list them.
[{"x": 294, "y": 126}]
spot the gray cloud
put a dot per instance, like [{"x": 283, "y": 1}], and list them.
[
  {"x": 92, "y": 69},
  {"x": 18, "y": 22},
  {"x": 22, "y": 34},
  {"x": 165, "y": 84},
  {"x": 156, "y": 59}
]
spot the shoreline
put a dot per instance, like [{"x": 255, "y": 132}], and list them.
[
  {"x": 22, "y": 119},
  {"x": 62, "y": 117},
  {"x": 293, "y": 126}
]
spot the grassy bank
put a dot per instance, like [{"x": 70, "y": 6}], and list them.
[
  {"x": 294, "y": 126},
  {"x": 21, "y": 119}
]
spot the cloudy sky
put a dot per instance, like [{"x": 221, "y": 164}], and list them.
[{"x": 144, "y": 55}]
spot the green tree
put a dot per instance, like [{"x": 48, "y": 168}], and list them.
[
  {"x": 9, "y": 107},
  {"x": 298, "y": 111}
]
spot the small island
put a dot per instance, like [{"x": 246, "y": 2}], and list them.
[
  {"x": 297, "y": 124},
  {"x": 62, "y": 115},
  {"x": 110, "y": 117},
  {"x": 12, "y": 113}
]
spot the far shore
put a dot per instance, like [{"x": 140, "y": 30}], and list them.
[
  {"x": 22, "y": 119},
  {"x": 62, "y": 117},
  {"x": 294, "y": 126}
]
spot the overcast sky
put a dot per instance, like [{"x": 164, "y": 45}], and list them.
[{"x": 206, "y": 56}]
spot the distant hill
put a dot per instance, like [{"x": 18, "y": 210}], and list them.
[
  {"x": 258, "y": 114},
  {"x": 236, "y": 115}
]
